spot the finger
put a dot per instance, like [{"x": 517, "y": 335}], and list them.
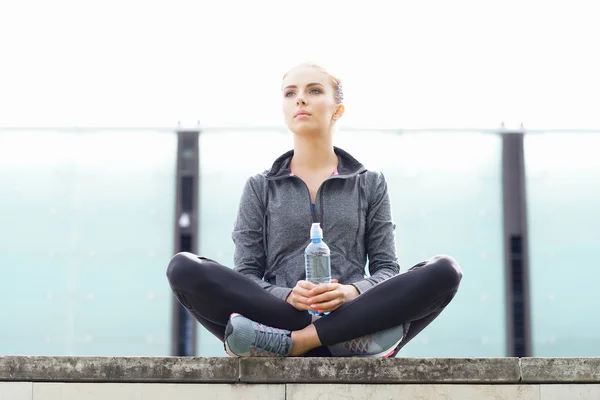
[
  {"x": 328, "y": 306},
  {"x": 300, "y": 303},
  {"x": 298, "y": 299},
  {"x": 327, "y": 296},
  {"x": 334, "y": 281},
  {"x": 305, "y": 284},
  {"x": 301, "y": 291},
  {"x": 334, "y": 308},
  {"x": 322, "y": 288}
]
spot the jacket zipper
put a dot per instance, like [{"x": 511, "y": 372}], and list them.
[
  {"x": 312, "y": 211},
  {"x": 319, "y": 196}
]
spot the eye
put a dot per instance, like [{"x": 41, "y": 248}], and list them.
[
  {"x": 317, "y": 91},
  {"x": 288, "y": 94}
]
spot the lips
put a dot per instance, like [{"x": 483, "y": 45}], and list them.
[{"x": 300, "y": 113}]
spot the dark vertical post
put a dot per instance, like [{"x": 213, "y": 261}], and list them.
[
  {"x": 186, "y": 232},
  {"x": 516, "y": 260}
]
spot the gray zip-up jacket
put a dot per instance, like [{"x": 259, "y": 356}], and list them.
[{"x": 272, "y": 227}]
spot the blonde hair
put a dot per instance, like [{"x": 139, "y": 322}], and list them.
[{"x": 336, "y": 83}]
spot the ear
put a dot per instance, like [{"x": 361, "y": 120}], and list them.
[{"x": 339, "y": 111}]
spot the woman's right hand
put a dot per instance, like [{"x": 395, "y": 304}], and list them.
[{"x": 298, "y": 297}]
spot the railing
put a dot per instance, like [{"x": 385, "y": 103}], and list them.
[{"x": 89, "y": 217}]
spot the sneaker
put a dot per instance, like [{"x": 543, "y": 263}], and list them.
[
  {"x": 246, "y": 338},
  {"x": 380, "y": 344}
]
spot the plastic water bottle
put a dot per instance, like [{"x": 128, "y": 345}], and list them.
[{"x": 317, "y": 259}]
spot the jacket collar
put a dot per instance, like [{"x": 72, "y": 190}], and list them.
[{"x": 347, "y": 167}]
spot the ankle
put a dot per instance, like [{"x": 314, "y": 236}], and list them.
[
  {"x": 298, "y": 347},
  {"x": 304, "y": 340}
]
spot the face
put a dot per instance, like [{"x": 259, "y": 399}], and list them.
[{"x": 308, "y": 101}]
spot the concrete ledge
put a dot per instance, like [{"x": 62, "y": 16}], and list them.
[
  {"x": 227, "y": 391},
  {"x": 563, "y": 370},
  {"x": 118, "y": 369},
  {"x": 299, "y": 370},
  {"x": 377, "y": 370}
]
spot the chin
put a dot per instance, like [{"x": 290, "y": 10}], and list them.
[{"x": 305, "y": 129}]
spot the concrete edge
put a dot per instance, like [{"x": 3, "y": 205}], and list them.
[
  {"x": 377, "y": 370},
  {"x": 500, "y": 370},
  {"x": 119, "y": 369},
  {"x": 560, "y": 370}
]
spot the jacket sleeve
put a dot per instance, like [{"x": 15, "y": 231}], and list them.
[
  {"x": 248, "y": 237},
  {"x": 380, "y": 237}
]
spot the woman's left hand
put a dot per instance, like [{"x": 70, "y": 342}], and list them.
[{"x": 328, "y": 297}]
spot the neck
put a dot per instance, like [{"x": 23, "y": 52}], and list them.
[{"x": 313, "y": 153}]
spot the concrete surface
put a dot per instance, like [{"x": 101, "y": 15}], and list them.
[
  {"x": 404, "y": 391},
  {"x": 195, "y": 391},
  {"x": 379, "y": 370},
  {"x": 154, "y": 391},
  {"x": 567, "y": 370},
  {"x": 259, "y": 370},
  {"x": 15, "y": 390},
  {"x": 118, "y": 369},
  {"x": 154, "y": 378}
]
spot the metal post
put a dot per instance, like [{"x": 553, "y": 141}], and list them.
[
  {"x": 516, "y": 257},
  {"x": 186, "y": 232}
]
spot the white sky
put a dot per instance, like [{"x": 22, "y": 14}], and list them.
[{"x": 404, "y": 64}]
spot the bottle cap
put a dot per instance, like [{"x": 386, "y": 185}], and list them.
[{"x": 315, "y": 231}]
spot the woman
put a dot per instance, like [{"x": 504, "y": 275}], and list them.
[{"x": 260, "y": 308}]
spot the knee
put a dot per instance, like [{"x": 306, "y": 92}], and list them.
[
  {"x": 181, "y": 267},
  {"x": 448, "y": 270}
]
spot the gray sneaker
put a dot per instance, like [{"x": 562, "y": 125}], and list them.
[
  {"x": 379, "y": 344},
  {"x": 246, "y": 338}
]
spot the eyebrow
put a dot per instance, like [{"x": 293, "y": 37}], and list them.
[{"x": 295, "y": 87}]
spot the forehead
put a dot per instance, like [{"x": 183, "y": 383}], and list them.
[{"x": 303, "y": 75}]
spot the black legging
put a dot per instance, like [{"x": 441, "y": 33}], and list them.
[{"x": 211, "y": 292}]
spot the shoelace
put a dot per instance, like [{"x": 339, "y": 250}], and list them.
[
  {"x": 270, "y": 340},
  {"x": 359, "y": 344}
]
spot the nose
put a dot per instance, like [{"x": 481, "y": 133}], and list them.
[{"x": 300, "y": 100}]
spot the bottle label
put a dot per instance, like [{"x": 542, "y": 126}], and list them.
[{"x": 318, "y": 269}]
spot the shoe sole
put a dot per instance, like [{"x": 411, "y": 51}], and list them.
[
  {"x": 228, "y": 351},
  {"x": 228, "y": 332},
  {"x": 387, "y": 354}
]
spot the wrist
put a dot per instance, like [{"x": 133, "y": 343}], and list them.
[{"x": 351, "y": 292}]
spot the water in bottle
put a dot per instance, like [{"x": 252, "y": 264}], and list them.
[{"x": 317, "y": 259}]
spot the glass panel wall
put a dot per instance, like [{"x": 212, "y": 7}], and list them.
[
  {"x": 563, "y": 197},
  {"x": 86, "y": 222}
]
